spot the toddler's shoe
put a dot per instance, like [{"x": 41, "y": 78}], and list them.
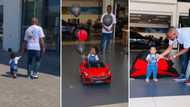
[
  {"x": 35, "y": 76},
  {"x": 14, "y": 75},
  {"x": 155, "y": 80},
  {"x": 147, "y": 80}
]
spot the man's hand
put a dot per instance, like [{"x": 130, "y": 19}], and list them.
[
  {"x": 42, "y": 45},
  {"x": 160, "y": 56},
  {"x": 43, "y": 50},
  {"x": 23, "y": 48}
]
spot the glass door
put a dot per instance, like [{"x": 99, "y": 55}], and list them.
[
  {"x": 1, "y": 26},
  {"x": 47, "y": 12}
]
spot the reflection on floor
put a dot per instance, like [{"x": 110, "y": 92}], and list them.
[
  {"x": 165, "y": 87},
  {"x": 171, "y": 101}
]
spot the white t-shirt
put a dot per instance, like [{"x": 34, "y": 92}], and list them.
[
  {"x": 153, "y": 58},
  {"x": 108, "y": 27},
  {"x": 15, "y": 59},
  {"x": 32, "y": 36},
  {"x": 183, "y": 37}
]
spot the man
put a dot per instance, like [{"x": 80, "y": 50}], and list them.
[
  {"x": 179, "y": 36},
  {"x": 35, "y": 45},
  {"x": 107, "y": 31}
]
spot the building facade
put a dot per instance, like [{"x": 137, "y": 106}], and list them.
[
  {"x": 17, "y": 16},
  {"x": 92, "y": 9},
  {"x": 171, "y": 10}
]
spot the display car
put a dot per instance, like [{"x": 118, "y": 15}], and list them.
[
  {"x": 95, "y": 73},
  {"x": 139, "y": 67}
]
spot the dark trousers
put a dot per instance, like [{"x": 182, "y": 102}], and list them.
[
  {"x": 105, "y": 41},
  {"x": 184, "y": 60},
  {"x": 13, "y": 71},
  {"x": 33, "y": 64}
]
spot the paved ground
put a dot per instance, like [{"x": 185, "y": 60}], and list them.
[
  {"x": 22, "y": 92},
  {"x": 76, "y": 95}
]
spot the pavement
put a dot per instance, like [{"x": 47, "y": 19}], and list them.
[
  {"x": 21, "y": 92},
  {"x": 75, "y": 94}
]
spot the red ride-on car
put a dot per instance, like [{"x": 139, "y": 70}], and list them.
[{"x": 100, "y": 73}]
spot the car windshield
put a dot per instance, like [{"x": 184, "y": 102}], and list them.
[{"x": 96, "y": 65}]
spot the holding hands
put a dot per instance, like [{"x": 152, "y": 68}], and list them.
[
  {"x": 172, "y": 57},
  {"x": 167, "y": 58}
]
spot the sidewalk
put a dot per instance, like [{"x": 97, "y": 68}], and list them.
[{"x": 21, "y": 92}]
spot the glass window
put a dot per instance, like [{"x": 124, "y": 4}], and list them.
[
  {"x": 1, "y": 25},
  {"x": 47, "y": 12}
]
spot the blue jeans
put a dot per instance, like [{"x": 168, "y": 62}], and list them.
[
  {"x": 184, "y": 60},
  {"x": 13, "y": 70},
  {"x": 152, "y": 69},
  {"x": 105, "y": 41},
  {"x": 33, "y": 55}
]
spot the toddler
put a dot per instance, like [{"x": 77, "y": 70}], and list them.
[
  {"x": 13, "y": 64},
  {"x": 93, "y": 57},
  {"x": 152, "y": 67}
]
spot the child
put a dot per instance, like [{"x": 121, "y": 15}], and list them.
[
  {"x": 152, "y": 67},
  {"x": 93, "y": 57},
  {"x": 13, "y": 64}
]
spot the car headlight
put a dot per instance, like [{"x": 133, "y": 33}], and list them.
[
  {"x": 109, "y": 73},
  {"x": 86, "y": 74}
]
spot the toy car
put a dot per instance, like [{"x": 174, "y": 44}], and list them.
[{"x": 99, "y": 73}]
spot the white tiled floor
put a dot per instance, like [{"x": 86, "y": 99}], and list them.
[
  {"x": 114, "y": 105},
  {"x": 168, "y": 101}
]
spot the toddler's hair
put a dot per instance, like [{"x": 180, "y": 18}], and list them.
[
  {"x": 153, "y": 46},
  {"x": 96, "y": 49},
  {"x": 12, "y": 55},
  {"x": 9, "y": 50}
]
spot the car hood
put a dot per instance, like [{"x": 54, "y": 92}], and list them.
[{"x": 97, "y": 71}]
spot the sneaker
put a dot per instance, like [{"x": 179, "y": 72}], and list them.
[
  {"x": 14, "y": 76},
  {"x": 180, "y": 79},
  {"x": 155, "y": 80},
  {"x": 147, "y": 80},
  {"x": 35, "y": 76},
  {"x": 187, "y": 82}
]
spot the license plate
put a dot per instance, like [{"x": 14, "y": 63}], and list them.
[{"x": 98, "y": 81}]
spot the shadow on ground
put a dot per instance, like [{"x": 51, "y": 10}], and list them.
[{"x": 50, "y": 63}]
